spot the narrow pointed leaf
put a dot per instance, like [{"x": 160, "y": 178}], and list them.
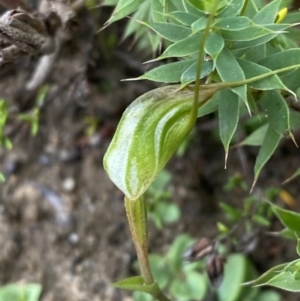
[
  {"x": 251, "y": 32},
  {"x": 295, "y": 175},
  {"x": 225, "y": 62},
  {"x": 264, "y": 278},
  {"x": 156, "y": 10},
  {"x": 136, "y": 284},
  {"x": 281, "y": 59},
  {"x": 228, "y": 117},
  {"x": 291, "y": 80},
  {"x": 123, "y": 9},
  {"x": 214, "y": 45},
  {"x": 148, "y": 134},
  {"x": 286, "y": 233},
  {"x": 256, "y": 138},
  {"x": 184, "y": 47},
  {"x": 269, "y": 145},
  {"x": 192, "y": 7},
  {"x": 200, "y": 24},
  {"x": 211, "y": 106},
  {"x": 252, "y": 103},
  {"x": 189, "y": 75},
  {"x": 184, "y": 17},
  {"x": 232, "y": 24},
  {"x": 286, "y": 280},
  {"x": 251, "y": 69},
  {"x": 277, "y": 111},
  {"x": 169, "y": 73},
  {"x": 268, "y": 13},
  {"x": 289, "y": 219},
  {"x": 232, "y": 9},
  {"x": 256, "y": 42},
  {"x": 133, "y": 27},
  {"x": 256, "y": 53},
  {"x": 169, "y": 31}
]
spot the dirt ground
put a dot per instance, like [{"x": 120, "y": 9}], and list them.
[{"x": 62, "y": 222}]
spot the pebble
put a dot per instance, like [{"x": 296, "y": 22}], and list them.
[
  {"x": 69, "y": 184},
  {"x": 70, "y": 155},
  {"x": 44, "y": 160},
  {"x": 73, "y": 238}
]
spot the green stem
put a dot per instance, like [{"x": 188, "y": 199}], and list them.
[
  {"x": 256, "y": 78},
  {"x": 137, "y": 218},
  {"x": 199, "y": 63}
]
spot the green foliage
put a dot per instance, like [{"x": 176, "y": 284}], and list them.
[
  {"x": 4, "y": 114},
  {"x": 187, "y": 281},
  {"x": 246, "y": 42},
  {"x": 33, "y": 119},
  {"x": 159, "y": 207},
  {"x": 247, "y": 55},
  {"x": 287, "y": 275},
  {"x": 20, "y": 292}
]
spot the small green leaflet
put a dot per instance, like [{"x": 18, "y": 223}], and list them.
[
  {"x": 232, "y": 24},
  {"x": 266, "y": 150},
  {"x": 251, "y": 33},
  {"x": 251, "y": 69},
  {"x": 169, "y": 31},
  {"x": 225, "y": 62},
  {"x": 189, "y": 75},
  {"x": 256, "y": 53},
  {"x": 228, "y": 117},
  {"x": 211, "y": 106},
  {"x": 277, "y": 111},
  {"x": 295, "y": 175},
  {"x": 256, "y": 138},
  {"x": 232, "y": 9},
  {"x": 268, "y": 13},
  {"x": 170, "y": 73},
  {"x": 214, "y": 44},
  {"x": 123, "y": 9},
  {"x": 182, "y": 48},
  {"x": 289, "y": 219},
  {"x": 184, "y": 17},
  {"x": 255, "y": 42},
  {"x": 136, "y": 284},
  {"x": 200, "y": 24},
  {"x": 287, "y": 280},
  {"x": 282, "y": 59},
  {"x": 267, "y": 276}
]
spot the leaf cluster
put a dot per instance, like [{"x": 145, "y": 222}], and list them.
[
  {"x": 287, "y": 275},
  {"x": 184, "y": 282},
  {"x": 245, "y": 42}
]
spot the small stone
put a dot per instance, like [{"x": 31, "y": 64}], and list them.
[
  {"x": 44, "y": 160},
  {"x": 70, "y": 155},
  {"x": 69, "y": 184},
  {"x": 95, "y": 140},
  {"x": 73, "y": 238}
]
